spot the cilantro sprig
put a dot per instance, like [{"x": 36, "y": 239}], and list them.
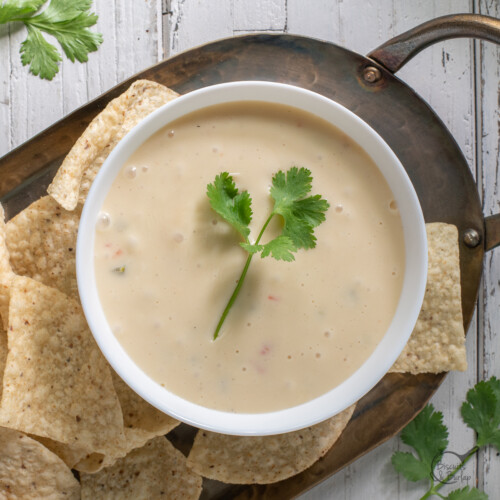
[
  {"x": 428, "y": 436},
  {"x": 300, "y": 214},
  {"x": 481, "y": 412},
  {"x": 68, "y": 21}
]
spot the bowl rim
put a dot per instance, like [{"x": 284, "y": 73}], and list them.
[{"x": 386, "y": 352}]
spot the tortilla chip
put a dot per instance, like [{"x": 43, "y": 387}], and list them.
[
  {"x": 5, "y": 267},
  {"x": 42, "y": 242},
  {"x": 142, "y": 422},
  {"x": 28, "y": 470},
  {"x": 156, "y": 470},
  {"x": 3, "y": 356},
  {"x": 79, "y": 168},
  {"x": 6, "y": 273},
  {"x": 70, "y": 455},
  {"x": 264, "y": 459},
  {"x": 138, "y": 414},
  {"x": 94, "y": 462},
  {"x": 57, "y": 384},
  {"x": 437, "y": 343}
]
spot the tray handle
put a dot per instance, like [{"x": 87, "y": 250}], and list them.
[
  {"x": 395, "y": 53},
  {"x": 492, "y": 232}
]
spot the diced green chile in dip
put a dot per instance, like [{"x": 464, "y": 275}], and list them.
[{"x": 298, "y": 329}]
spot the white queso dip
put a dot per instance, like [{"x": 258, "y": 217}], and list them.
[{"x": 166, "y": 263}]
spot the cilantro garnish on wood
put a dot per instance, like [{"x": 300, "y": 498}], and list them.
[
  {"x": 68, "y": 21},
  {"x": 481, "y": 412},
  {"x": 428, "y": 436},
  {"x": 300, "y": 214}
]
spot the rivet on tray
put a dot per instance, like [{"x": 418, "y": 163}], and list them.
[
  {"x": 372, "y": 74},
  {"x": 471, "y": 238}
]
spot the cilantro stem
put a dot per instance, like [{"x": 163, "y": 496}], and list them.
[
  {"x": 233, "y": 296},
  {"x": 264, "y": 227},
  {"x": 240, "y": 280},
  {"x": 471, "y": 453},
  {"x": 433, "y": 490}
]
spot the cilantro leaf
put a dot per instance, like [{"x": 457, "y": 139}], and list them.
[
  {"x": 467, "y": 493},
  {"x": 39, "y": 54},
  {"x": 64, "y": 10},
  {"x": 293, "y": 185},
  {"x": 409, "y": 466},
  {"x": 280, "y": 248},
  {"x": 311, "y": 210},
  {"x": 299, "y": 231},
  {"x": 481, "y": 411},
  {"x": 252, "y": 248},
  {"x": 11, "y": 10},
  {"x": 301, "y": 215},
  {"x": 429, "y": 437},
  {"x": 68, "y": 22},
  {"x": 234, "y": 207}
]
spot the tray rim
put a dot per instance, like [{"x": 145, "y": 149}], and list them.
[{"x": 104, "y": 98}]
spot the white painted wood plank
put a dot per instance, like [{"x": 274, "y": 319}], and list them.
[
  {"x": 136, "y": 35},
  {"x": 74, "y": 85},
  {"x": 35, "y": 103},
  {"x": 193, "y": 22},
  {"x": 5, "y": 109},
  {"x": 488, "y": 83},
  {"x": 259, "y": 15},
  {"x": 315, "y": 18},
  {"x": 361, "y": 28},
  {"x": 102, "y": 65}
]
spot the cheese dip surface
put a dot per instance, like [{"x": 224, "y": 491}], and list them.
[{"x": 166, "y": 263}]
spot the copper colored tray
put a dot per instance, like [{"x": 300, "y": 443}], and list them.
[{"x": 436, "y": 166}]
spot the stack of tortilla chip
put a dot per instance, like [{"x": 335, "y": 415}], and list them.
[
  {"x": 62, "y": 406},
  {"x": 60, "y": 400}
]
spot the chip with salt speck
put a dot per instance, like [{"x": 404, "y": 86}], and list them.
[
  {"x": 57, "y": 384},
  {"x": 141, "y": 421},
  {"x": 69, "y": 454},
  {"x": 73, "y": 179},
  {"x": 437, "y": 343},
  {"x": 42, "y": 244},
  {"x": 29, "y": 471},
  {"x": 138, "y": 413},
  {"x": 3, "y": 355},
  {"x": 6, "y": 273},
  {"x": 157, "y": 470}
]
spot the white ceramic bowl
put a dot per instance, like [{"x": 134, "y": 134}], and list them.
[{"x": 393, "y": 341}]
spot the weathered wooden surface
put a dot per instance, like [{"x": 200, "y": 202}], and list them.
[
  {"x": 458, "y": 78},
  {"x": 488, "y": 155}
]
